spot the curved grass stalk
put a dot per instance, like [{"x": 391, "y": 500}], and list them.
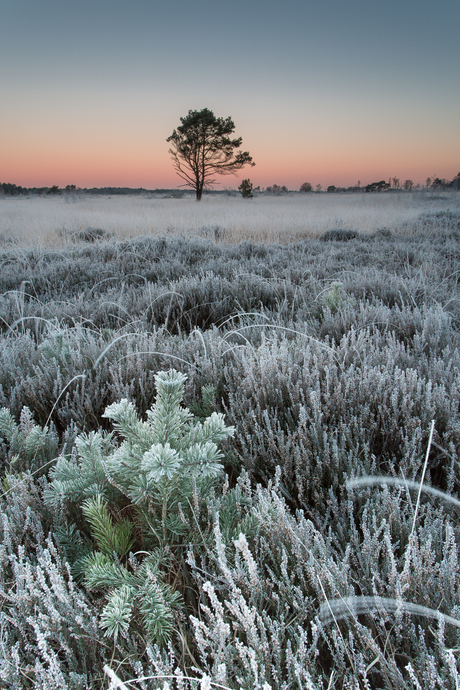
[
  {"x": 240, "y": 314},
  {"x": 104, "y": 280},
  {"x": 338, "y": 609},
  {"x": 27, "y": 318},
  {"x": 78, "y": 376},
  {"x": 239, "y": 347},
  {"x": 154, "y": 352},
  {"x": 118, "y": 306},
  {"x": 204, "y": 681},
  {"x": 405, "y": 483},
  {"x": 109, "y": 346},
  {"x": 287, "y": 330},
  {"x": 200, "y": 335}
]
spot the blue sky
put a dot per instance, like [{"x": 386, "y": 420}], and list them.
[{"x": 328, "y": 92}]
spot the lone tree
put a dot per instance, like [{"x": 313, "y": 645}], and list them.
[{"x": 201, "y": 148}]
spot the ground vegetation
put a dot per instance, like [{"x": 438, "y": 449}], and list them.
[{"x": 232, "y": 464}]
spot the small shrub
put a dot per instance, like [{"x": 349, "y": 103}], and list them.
[
  {"x": 155, "y": 475},
  {"x": 29, "y": 447},
  {"x": 382, "y": 233},
  {"x": 92, "y": 235},
  {"x": 333, "y": 297},
  {"x": 339, "y": 235}
]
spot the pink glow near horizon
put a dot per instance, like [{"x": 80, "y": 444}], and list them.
[
  {"x": 101, "y": 156},
  {"x": 150, "y": 169}
]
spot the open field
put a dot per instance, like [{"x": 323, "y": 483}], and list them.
[
  {"x": 321, "y": 549},
  {"x": 55, "y": 222}
]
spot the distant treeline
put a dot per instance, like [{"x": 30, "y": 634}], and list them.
[
  {"x": 394, "y": 184},
  {"x": 8, "y": 189}
]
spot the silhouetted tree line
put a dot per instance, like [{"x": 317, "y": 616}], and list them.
[
  {"x": 393, "y": 184},
  {"x": 442, "y": 183},
  {"x": 116, "y": 191},
  {"x": 8, "y": 189},
  {"x": 435, "y": 183}
]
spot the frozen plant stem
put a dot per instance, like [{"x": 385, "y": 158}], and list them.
[
  {"x": 115, "y": 682},
  {"x": 335, "y": 620},
  {"x": 423, "y": 477}
]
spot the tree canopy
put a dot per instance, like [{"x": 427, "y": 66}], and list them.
[
  {"x": 381, "y": 186},
  {"x": 246, "y": 189},
  {"x": 201, "y": 148}
]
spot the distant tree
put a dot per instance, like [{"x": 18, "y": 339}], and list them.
[
  {"x": 455, "y": 184},
  {"x": 395, "y": 182},
  {"x": 306, "y": 187},
  {"x": 246, "y": 189},
  {"x": 332, "y": 188},
  {"x": 70, "y": 193},
  {"x": 439, "y": 183},
  {"x": 201, "y": 148},
  {"x": 408, "y": 185},
  {"x": 318, "y": 188},
  {"x": 276, "y": 189},
  {"x": 53, "y": 190},
  {"x": 428, "y": 182},
  {"x": 381, "y": 186}
]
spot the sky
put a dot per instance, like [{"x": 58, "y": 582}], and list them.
[{"x": 330, "y": 92}]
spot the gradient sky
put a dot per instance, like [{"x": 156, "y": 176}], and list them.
[{"x": 325, "y": 91}]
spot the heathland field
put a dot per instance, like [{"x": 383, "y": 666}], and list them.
[
  {"x": 57, "y": 221},
  {"x": 298, "y": 527}
]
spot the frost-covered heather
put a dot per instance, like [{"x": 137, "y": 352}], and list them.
[
  {"x": 331, "y": 358},
  {"x": 56, "y": 221}
]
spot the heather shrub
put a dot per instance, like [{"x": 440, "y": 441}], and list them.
[
  {"x": 46, "y": 620},
  {"x": 47, "y": 624},
  {"x": 260, "y": 620},
  {"x": 322, "y": 413}
]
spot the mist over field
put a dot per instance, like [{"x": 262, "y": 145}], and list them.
[{"x": 57, "y": 221}]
